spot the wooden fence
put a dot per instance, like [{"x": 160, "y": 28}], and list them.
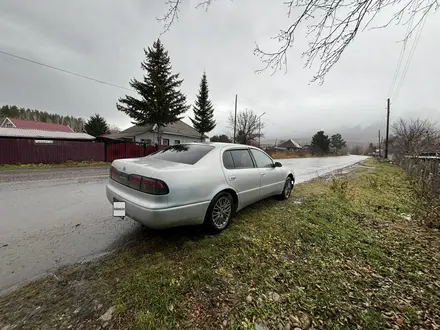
[{"x": 425, "y": 170}]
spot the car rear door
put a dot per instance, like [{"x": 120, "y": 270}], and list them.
[
  {"x": 272, "y": 178},
  {"x": 241, "y": 174}
]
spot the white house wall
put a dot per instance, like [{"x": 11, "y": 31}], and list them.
[{"x": 171, "y": 138}]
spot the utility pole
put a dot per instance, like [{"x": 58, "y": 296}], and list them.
[
  {"x": 388, "y": 128},
  {"x": 235, "y": 117},
  {"x": 259, "y": 129},
  {"x": 379, "y": 145},
  {"x": 259, "y": 133}
]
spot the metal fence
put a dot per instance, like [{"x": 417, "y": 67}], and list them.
[
  {"x": 128, "y": 150},
  {"x": 33, "y": 151}
]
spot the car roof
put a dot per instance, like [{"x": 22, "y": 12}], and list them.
[
  {"x": 218, "y": 148},
  {"x": 221, "y": 144}
]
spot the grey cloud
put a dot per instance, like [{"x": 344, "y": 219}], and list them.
[{"x": 105, "y": 40}]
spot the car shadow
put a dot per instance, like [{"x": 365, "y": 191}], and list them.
[
  {"x": 147, "y": 240},
  {"x": 192, "y": 233},
  {"x": 141, "y": 240}
]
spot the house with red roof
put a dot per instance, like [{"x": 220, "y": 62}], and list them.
[
  {"x": 32, "y": 124},
  {"x": 14, "y": 128},
  {"x": 27, "y": 141}
]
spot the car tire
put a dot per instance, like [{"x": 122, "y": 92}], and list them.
[
  {"x": 287, "y": 190},
  {"x": 220, "y": 212}
]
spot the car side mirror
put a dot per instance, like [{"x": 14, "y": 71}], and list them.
[{"x": 277, "y": 164}]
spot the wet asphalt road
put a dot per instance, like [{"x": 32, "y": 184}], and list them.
[{"x": 55, "y": 217}]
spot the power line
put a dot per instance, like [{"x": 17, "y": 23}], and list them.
[
  {"x": 64, "y": 71},
  {"x": 396, "y": 72},
  {"x": 410, "y": 56},
  {"x": 402, "y": 53}
]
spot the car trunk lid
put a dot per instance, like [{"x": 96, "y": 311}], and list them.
[{"x": 148, "y": 167}]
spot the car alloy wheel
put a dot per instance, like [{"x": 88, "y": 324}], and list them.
[
  {"x": 288, "y": 188},
  {"x": 221, "y": 212}
]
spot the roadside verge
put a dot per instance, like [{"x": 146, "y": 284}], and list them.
[
  {"x": 340, "y": 252},
  {"x": 4, "y": 167}
]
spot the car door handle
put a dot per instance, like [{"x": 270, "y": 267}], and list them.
[
  {"x": 263, "y": 174},
  {"x": 232, "y": 177}
]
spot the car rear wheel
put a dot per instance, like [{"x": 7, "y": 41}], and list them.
[
  {"x": 219, "y": 212},
  {"x": 287, "y": 190}
]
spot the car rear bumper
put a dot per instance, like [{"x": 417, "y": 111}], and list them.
[{"x": 158, "y": 218}]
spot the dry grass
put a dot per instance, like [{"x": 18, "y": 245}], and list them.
[
  {"x": 287, "y": 155},
  {"x": 57, "y": 165}
]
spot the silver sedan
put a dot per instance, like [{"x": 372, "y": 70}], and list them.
[{"x": 196, "y": 183}]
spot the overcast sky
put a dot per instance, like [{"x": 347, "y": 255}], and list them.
[{"x": 104, "y": 39}]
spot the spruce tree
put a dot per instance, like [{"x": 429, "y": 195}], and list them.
[
  {"x": 96, "y": 126},
  {"x": 337, "y": 142},
  {"x": 320, "y": 143},
  {"x": 203, "y": 121},
  {"x": 161, "y": 102}
]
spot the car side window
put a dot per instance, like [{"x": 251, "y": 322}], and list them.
[
  {"x": 261, "y": 159},
  {"x": 242, "y": 158},
  {"x": 228, "y": 162}
]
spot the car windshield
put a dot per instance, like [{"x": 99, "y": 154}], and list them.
[{"x": 183, "y": 153}]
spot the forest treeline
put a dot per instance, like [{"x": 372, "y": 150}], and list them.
[{"x": 12, "y": 111}]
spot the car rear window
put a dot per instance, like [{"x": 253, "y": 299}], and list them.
[
  {"x": 228, "y": 162},
  {"x": 183, "y": 153}
]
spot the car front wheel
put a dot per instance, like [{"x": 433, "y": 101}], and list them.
[
  {"x": 219, "y": 212},
  {"x": 287, "y": 190}
]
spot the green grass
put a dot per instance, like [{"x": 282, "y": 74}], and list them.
[
  {"x": 55, "y": 165},
  {"x": 345, "y": 258}
]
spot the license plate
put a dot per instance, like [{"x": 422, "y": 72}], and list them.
[{"x": 118, "y": 208}]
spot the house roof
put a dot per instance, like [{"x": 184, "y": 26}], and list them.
[
  {"x": 38, "y": 125},
  {"x": 179, "y": 128},
  {"x": 136, "y": 130},
  {"x": 183, "y": 129},
  {"x": 289, "y": 144},
  {"x": 118, "y": 136},
  {"x": 42, "y": 134}
]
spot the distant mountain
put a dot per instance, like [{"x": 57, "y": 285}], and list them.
[
  {"x": 369, "y": 133},
  {"x": 365, "y": 133},
  {"x": 359, "y": 134}
]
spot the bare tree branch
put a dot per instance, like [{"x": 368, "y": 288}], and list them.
[
  {"x": 411, "y": 137},
  {"x": 332, "y": 25},
  {"x": 248, "y": 126},
  {"x": 171, "y": 15},
  {"x": 205, "y": 4}
]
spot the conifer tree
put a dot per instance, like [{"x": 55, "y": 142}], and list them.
[
  {"x": 161, "y": 102},
  {"x": 203, "y": 121}
]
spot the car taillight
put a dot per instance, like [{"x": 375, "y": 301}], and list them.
[
  {"x": 134, "y": 181},
  {"x": 154, "y": 186},
  {"x": 113, "y": 172}
]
